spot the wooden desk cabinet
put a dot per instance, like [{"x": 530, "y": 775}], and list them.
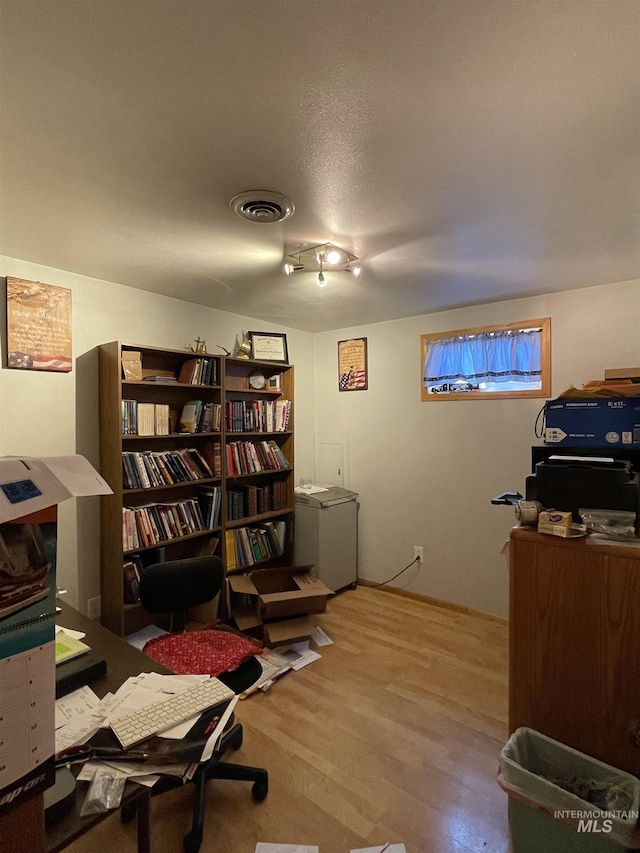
[{"x": 574, "y": 656}]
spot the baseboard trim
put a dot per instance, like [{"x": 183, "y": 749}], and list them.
[{"x": 437, "y": 602}]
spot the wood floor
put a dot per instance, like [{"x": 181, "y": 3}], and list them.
[{"x": 393, "y": 736}]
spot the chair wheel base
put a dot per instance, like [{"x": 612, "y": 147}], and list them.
[
  {"x": 191, "y": 842},
  {"x": 128, "y": 812},
  {"x": 260, "y": 790}
]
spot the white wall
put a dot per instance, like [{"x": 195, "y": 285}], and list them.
[
  {"x": 426, "y": 472},
  {"x": 48, "y": 414}
]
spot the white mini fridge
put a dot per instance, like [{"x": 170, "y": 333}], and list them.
[{"x": 326, "y": 535}]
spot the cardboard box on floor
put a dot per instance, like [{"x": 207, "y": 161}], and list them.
[{"x": 282, "y": 599}]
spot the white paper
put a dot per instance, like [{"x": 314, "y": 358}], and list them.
[
  {"x": 320, "y": 638},
  {"x": 264, "y": 847},
  {"x": 273, "y": 666},
  {"x": 310, "y": 490},
  {"x": 387, "y": 848},
  {"x": 297, "y": 655},
  {"x": 141, "y": 638},
  {"x": 74, "y": 705},
  {"x": 77, "y": 635},
  {"x": 77, "y": 731},
  {"x": 217, "y": 733}
]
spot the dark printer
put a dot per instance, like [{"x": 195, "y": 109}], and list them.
[{"x": 568, "y": 482}]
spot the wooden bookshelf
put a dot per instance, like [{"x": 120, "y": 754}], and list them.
[
  {"x": 162, "y": 496},
  {"x": 246, "y": 421}
]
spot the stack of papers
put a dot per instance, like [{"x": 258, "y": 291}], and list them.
[
  {"x": 69, "y": 644},
  {"x": 275, "y": 662},
  {"x": 81, "y": 714}
]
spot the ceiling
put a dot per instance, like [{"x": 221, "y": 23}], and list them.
[{"x": 465, "y": 151}]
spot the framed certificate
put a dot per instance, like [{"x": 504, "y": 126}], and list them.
[{"x": 269, "y": 346}]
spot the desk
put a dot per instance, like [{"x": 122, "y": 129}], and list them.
[
  {"x": 574, "y": 643},
  {"x": 123, "y": 661}
]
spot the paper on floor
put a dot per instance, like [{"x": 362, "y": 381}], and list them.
[
  {"x": 321, "y": 638},
  {"x": 388, "y": 848},
  {"x": 263, "y": 847}
]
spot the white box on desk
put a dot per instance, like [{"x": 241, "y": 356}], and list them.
[{"x": 30, "y": 490}]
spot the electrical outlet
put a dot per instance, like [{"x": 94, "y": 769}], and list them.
[
  {"x": 94, "y": 607},
  {"x": 418, "y": 553}
]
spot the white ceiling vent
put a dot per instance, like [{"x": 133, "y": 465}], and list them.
[{"x": 262, "y": 206}]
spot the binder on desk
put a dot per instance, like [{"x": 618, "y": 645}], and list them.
[{"x": 75, "y": 673}]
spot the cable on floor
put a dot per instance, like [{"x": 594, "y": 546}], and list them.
[{"x": 373, "y": 585}]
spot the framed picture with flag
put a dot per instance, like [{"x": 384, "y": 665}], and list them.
[
  {"x": 352, "y": 365},
  {"x": 38, "y": 326}
]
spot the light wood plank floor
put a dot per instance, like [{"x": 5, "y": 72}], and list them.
[{"x": 393, "y": 736}]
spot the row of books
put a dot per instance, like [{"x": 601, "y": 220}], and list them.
[
  {"x": 131, "y": 580},
  {"x": 249, "y": 457},
  {"x": 257, "y": 415},
  {"x": 146, "y": 469},
  {"x": 247, "y": 501},
  {"x": 145, "y": 526},
  {"x": 145, "y": 418},
  {"x": 197, "y": 416},
  {"x": 247, "y": 546},
  {"x": 210, "y": 501},
  {"x": 199, "y": 371}
]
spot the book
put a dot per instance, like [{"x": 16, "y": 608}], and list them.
[
  {"x": 131, "y": 579},
  {"x": 131, "y": 365},
  {"x": 188, "y": 371},
  {"x": 67, "y": 647},
  {"x": 162, "y": 419},
  {"x": 190, "y": 416}
]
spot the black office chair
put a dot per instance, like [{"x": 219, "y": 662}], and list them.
[{"x": 173, "y": 587}]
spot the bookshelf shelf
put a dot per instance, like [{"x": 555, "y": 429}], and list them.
[
  {"x": 181, "y": 485},
  {"x": 120, "y": 407},
  {"x": 263, "y": 516},
  {"x": 172, "y": 435},
  {"x": 164, "y": 542},
  {"x": 256, "y": 434}
]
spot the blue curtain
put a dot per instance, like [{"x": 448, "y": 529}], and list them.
[{"x": 494, "y": 356}]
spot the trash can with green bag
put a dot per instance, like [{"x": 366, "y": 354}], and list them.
[{"x": 563, "y": 801}]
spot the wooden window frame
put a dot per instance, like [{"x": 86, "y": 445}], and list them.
[{"x": 545, "y": 362}]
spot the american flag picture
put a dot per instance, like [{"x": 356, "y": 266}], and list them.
[
  {"x": 38, "y": 326},
  {"x": 353, "y": 380},
  {"x": 352, "y": 365}
]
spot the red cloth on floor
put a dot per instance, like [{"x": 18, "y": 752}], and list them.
[{"x": 201, "y": 652}]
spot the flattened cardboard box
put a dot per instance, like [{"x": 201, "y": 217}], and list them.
[{"x": 279, "y": 594}]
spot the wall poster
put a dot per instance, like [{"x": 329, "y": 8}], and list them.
[
  {"x": 38, "y": 326},
  {"x": 352, "y": 365}
]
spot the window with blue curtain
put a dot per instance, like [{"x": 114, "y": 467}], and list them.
[{"x": 511, "y": 360}]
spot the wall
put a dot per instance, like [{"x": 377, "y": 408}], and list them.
[
  {"x": 48, "y": 414},
  {"x": 426, "y": 472}
]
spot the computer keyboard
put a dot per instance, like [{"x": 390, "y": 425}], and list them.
[{"x": 160, "y": 716}]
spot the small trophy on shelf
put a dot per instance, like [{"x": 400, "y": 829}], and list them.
[
  {"x": 242, "y": 349},
  {"x": 201, "y": 345}
]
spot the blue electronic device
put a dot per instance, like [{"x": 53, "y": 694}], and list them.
[{"x": 20, "y": 490}]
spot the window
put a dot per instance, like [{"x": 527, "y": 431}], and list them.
[{"x": 489, "y": 362}]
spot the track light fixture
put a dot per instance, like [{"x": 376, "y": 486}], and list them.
[
  {"x": 323, "y": 258},
  {"x": 291, "y": 268}
]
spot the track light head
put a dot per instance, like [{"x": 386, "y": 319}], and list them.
[{"x": 291, "y": 268}]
